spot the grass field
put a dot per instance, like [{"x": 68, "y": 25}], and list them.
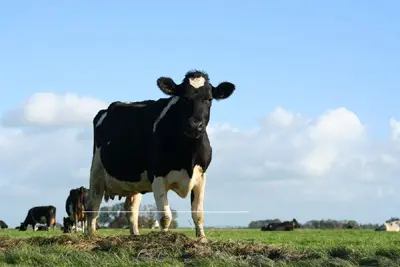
[{"x": 178, "y": 248}]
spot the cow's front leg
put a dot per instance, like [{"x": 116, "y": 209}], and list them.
[
  {"x": 197, "y": 200},
  {"x": 76, "y": 223},
  {"x": 160, "y": 195},
  {"x": 132, "y": 205},
  {"x": 84, "y": 225}
]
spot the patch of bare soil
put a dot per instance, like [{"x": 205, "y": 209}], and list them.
[{"x": 158, "y": 245}]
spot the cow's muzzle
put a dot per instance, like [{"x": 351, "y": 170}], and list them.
[{"x": 195, "y": 128}]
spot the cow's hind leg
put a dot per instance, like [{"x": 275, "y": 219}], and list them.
[
  {"x": 96, "y": 192},
  {"x": 197, "y": 200},
  {"x": 94, "y": 202},
  {"x": 132, "y": 205},
  {"x": 160, "y": 195}
]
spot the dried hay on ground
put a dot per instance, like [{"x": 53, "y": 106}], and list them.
[{"x": 158, "y": 246}]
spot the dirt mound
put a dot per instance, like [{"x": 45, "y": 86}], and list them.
[{"x": 158, "y": 245}]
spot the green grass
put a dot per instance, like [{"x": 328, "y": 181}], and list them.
[{"x": 234, "y": 247}]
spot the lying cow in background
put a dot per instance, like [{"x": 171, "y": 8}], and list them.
[
  {"x": 40, "y": 215},
  {"x": 393, "y": 226},
  {"x": 3, "y": 225},
  {"x": 75, "y": 207},
  {"x": 155, "y": 146},
  {"x": 283, "y": 226}
]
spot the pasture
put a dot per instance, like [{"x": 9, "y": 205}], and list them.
[{"x": 230, "y": 247}]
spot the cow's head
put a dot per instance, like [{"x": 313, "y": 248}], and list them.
[
  {"x": 67, "y": 225},
  {"x": 194, "y": 99},
  {"x": 23, "y": 227}
]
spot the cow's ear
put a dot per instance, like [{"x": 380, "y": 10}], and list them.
[
  {"x": 167, "y": 85},
  {"x": 223, "y": 90}
]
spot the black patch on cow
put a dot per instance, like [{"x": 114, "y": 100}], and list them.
[{"x": 126, "y": 133}]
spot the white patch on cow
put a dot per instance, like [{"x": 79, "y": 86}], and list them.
[
  {"x": 125, "y": 189},
  {"x": 164, "y": 111},
  {"x": 179, "y": 181},
  {"x": 393, "y": 226},
  {"x": 197, "y": 82},
  {"x": 156, "y": 225},
  {"x": 101, "y": 119},
  {"x": 78, "y": 229}
]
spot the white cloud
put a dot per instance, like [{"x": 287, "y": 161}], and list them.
[
  {"x": 395, "y": 129},
  {"x": 49, "y": 109},
  {"x": 289, "y": 166}
]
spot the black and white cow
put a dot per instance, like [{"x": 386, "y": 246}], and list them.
[
  {"x": 75, "y": 206},
  {"x": 40, "y": 215},
  {"x": 155, "y": 146}
]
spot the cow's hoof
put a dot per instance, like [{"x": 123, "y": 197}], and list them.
[
  {"x": 134, "y": 236},
  {"x": 202, "y": 240},
  {"x": 89, "y": 234}
]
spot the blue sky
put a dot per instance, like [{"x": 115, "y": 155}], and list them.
[
  {"x": 305, "y": 56},
  {"x": 308, "y": 55}
]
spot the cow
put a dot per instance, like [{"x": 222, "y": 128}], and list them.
[
  {"x": 155, "y": 146},
  {"x": 284, "y": 226},
  {"x": 393, "y": 226},
  {"x": 3, "y": 225},
  {"x": 67, "y": 224},
  {"x": 75, "y": 206},
  {"x": 40, "y": 215}
]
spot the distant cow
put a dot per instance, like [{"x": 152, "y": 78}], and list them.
[
  {"x": 393, "y": 226},
  {"x": 75, "y": 207},
  {"x": 40, "y": 215},
  {"x": 283, "y": 226},
  {"x": 3, "y": 225},
  {"x": 155, "y": 146}
]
